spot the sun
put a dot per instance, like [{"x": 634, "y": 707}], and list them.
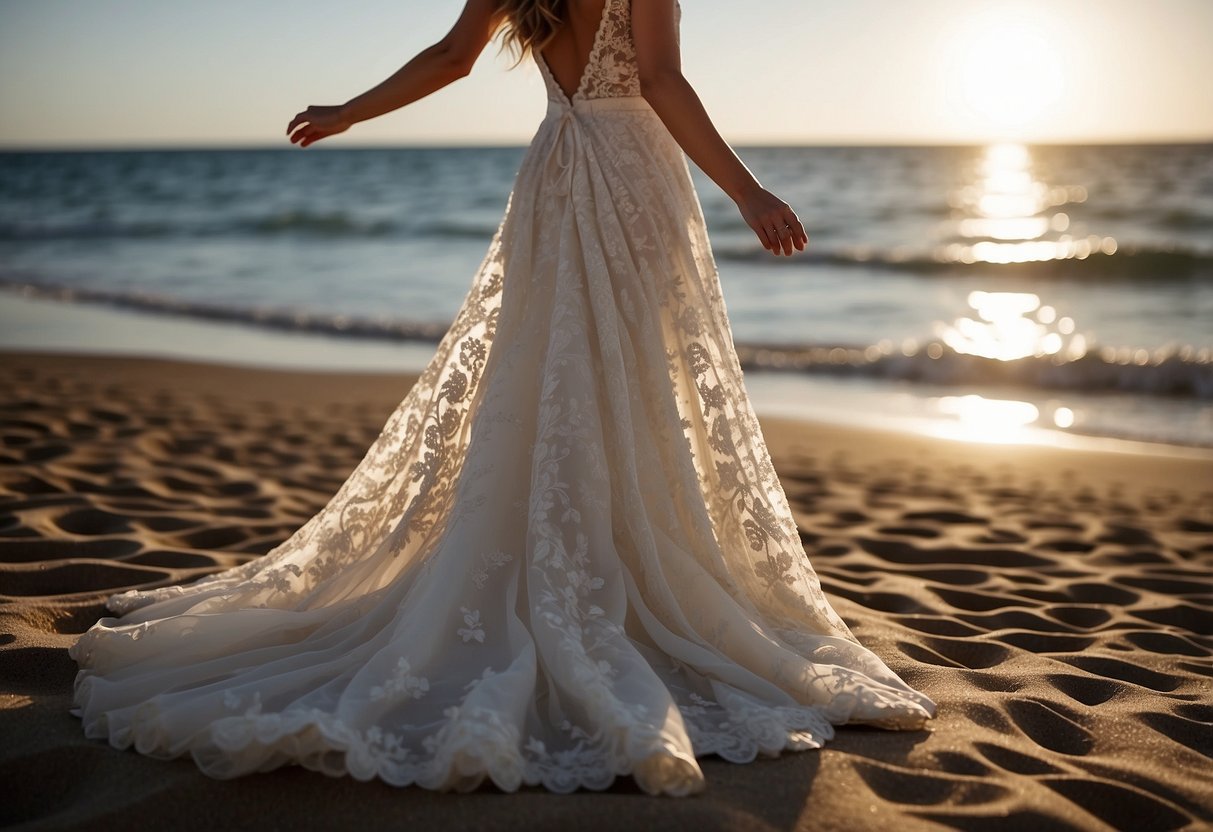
[{"x": 1006, "y": 70}]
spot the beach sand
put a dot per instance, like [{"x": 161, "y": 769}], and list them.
[{"x": 1056, "y": 604}]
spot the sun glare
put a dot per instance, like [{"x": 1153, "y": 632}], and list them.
[
  {"x": 979, "y": 419},
  {"x": 1007, "y": 70}
]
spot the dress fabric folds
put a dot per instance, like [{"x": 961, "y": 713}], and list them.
[{"x": 566, "y": 557}]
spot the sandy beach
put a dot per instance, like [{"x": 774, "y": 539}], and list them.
[{"x": 1055, "y": 603}]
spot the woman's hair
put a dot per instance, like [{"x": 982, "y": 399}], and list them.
[{"x": 528, "y": 25}]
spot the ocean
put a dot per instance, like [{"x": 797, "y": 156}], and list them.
[{"x": 990, "y": 291}]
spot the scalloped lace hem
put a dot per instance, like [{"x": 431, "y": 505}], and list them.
[{"x": 315, "y": 739}]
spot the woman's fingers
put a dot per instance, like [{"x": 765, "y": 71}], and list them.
[
  {"x": 308, "y": 134},
  {"x": 774, "y": 223},
  {"x": 777, "y": 239},
  {"x": 801, "y": 236},
  {"x": 305, "y": 136},
  {"x": 301, "y": 118},
  {"x": 769, "y": 235},
  {"x": 770, "y": 241},
  {"x": 787, "y": 236},
  {"x": 786, "y": 226},
  {"x": 779, "y": 233},
  {"x": 304, "y": 127},
  {"x": 796, "y": 233},
  {"x": 316, "y": 123}
]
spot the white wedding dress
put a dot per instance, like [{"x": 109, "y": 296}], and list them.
[{"x": 566, "y": 557}]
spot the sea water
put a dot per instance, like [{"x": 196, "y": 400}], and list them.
[{"x": 995, "y": 288}]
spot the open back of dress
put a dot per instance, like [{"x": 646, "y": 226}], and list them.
[{"x": 566, "y": 557}]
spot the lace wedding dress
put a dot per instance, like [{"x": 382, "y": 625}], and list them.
[{"x": 566, "y": 557}]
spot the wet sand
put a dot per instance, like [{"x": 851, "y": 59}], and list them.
[{"x": 1056, "y": 604}]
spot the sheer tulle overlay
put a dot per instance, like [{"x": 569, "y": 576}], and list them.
[{"x": 566, "y": 557}]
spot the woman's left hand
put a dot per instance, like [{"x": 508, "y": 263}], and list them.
[
  {"x": 773, "y": 220},
  {"x": 316, "y": 123}
]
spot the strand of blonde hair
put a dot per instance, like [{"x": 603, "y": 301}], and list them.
[{"x": 529, "y": 25}]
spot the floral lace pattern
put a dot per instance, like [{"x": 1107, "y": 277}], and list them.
[
  {"x": 489, "y": 560},
  {"x": 401, "y": 684},
  {"x": 611, "y": 69},
  {"x": 566, "y": 557}
]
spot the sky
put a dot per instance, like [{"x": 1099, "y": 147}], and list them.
[{"x": 150, "y": 73}]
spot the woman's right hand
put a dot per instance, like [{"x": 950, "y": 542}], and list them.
[
  {"x": 316, "y": 123},
  {"x": 773, "y": 220}
]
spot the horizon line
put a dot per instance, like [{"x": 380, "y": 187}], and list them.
[{"x": 501, "y": 144}]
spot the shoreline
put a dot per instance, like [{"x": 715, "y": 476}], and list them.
[
  {"x": 300, "y": 384},
  {"x": 1053, "y": 602},
  {"x": 35, "y": 325}
]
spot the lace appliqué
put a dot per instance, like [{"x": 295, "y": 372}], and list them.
[
  {"x": 611, "y": 73},
  {"x": 473, "y": 629},
  {"x": 402, "y": 684},
  {"x": 489, "y": 560}
]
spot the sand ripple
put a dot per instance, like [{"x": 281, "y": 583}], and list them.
[{"x": 1057, "y": 607}]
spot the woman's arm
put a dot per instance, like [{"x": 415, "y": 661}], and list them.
[
  {"x": 432, "y": 69},
  {"x": 675, "y": 101}
]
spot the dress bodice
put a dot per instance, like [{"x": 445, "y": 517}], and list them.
[{"x": 611, "y": 70}]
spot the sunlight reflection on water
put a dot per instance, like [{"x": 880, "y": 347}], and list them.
[
  {"x": 1003, "y": 330},
  {"x": 1006, "y": 215}
]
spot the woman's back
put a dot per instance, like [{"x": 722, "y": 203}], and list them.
[
  {"x": 569, "y": 51},
  {"x": 594, "y": 54}
]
